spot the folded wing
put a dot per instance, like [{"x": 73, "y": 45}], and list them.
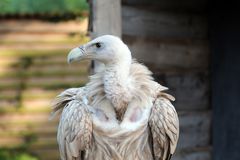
[
  {"x": 75, "y": 127},
  {"x": 164, "y": 127}
]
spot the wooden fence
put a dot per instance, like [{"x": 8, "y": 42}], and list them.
[{"x": 33, "y": 70}]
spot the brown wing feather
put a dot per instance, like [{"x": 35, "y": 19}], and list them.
[
  {"x": 75, "y": 130},
  {"x": 164, "y": 127}
]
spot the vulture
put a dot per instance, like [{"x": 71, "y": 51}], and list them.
[{"x": 120, "y": 114}]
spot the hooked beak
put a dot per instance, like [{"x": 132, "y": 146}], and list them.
[{"x": 76, "y": 54}]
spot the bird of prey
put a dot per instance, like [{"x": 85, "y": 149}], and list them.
[{"x": 120, "y": 114}]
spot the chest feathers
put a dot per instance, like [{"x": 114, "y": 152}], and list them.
[
  {"x": 120, "y": 87},
  {"x": 122, "y": 101}
]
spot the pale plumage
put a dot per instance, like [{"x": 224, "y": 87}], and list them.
[{"x": 121, "y": 113}]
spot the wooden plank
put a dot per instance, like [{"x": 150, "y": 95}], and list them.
[
  {"x": 11, "y": 142},
  {"x": 26, "y": 54},
  {"x": 9, "y": 81},
  {"x": 6, "y": 86},
  {"x": 55, "y": 71},
  {"x": 165, "y": 55},
  {"x": 106, "y": 18},
  {"x": 190, "y": 89},
  {"x": 8, "y": 61},
  {"x": 38, "y": 93},
  {"x": 193, "y": 155},
  {"x": 8, "y": 104},
  {"x": 9, "y": 95},
  {"x": 52, "y": 140},
  {"x": 24, "y": 118},
  {"x": 37, "y": 26},
  {"x": 47, "y": 67},
  {"x": 195, "y": 128},
  {"x": 36, "y": 46},
  {"x": 53, "y": 81},
  {"x": 8, "y": 72},
  {"x": 44, "y": 145},
  {"x": 49, "y": 60},
  {"x": 173, "y": 5},
  {"x": 40, "y": 129},
  {"x": 46, "y": 154},
  {"x": 9, "y": 121},
  {"x": 34, "y": 37},
  {"x": 56, "y": 79},
  {"x": 147, "y": 23},
  {"x": 39, "y": 103}
]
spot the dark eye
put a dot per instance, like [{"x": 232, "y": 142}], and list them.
[{"x": 98, "y": 45}]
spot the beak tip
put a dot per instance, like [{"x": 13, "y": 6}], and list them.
[
  {"x": 75, "y": 54},
  {"x": 69, "y": 60}
]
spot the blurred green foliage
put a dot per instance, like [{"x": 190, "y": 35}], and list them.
[
  {"x": 19, "y": 152},
  {"x": 42, "y": 7},
  {"x": 15, "y": 154}
]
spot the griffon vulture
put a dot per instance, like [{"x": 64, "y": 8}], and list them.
[{"x": 121, "y": 113}]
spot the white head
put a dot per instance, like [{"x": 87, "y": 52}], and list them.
[{"x": 107, "y": 49}]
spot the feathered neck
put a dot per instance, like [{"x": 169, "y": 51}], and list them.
[
  {"x": 116, "y": 83},
  {"x": 122, "y": 83}
]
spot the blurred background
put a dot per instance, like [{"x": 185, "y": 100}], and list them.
[
  {"x": 35, "y": 37},
  {"x": 192, "y": 47}
]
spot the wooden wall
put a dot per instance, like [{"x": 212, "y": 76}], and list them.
[
  {"x": 171, "y": 37},
  {"x": 33, "y": 70}
]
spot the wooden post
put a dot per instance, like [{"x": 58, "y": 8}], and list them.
[{"x": 105, "y": 18}]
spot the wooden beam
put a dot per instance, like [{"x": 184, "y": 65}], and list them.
[
  {"x": 173, "y": 54},
  {"x": 190, "y": 89},
  {"x": 106, "y": 18},
  {"x": 189, "y": 6},
  {"x": 195, "y": 128},
  {"x": 141, "y": 22}
]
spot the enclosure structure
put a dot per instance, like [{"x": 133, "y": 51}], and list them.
[
  {"x": 193, "y": 48},
  {"x": 171, "y": 38}
]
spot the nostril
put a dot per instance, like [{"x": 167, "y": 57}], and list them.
[{"x": 81, "y": 48}]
